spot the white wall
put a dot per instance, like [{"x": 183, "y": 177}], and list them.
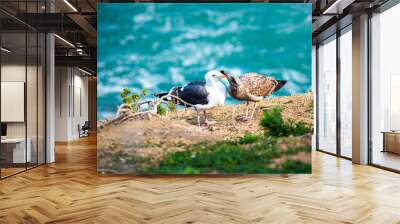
[
  {"x": 71, "y": 102},
  {"x": 61, "y": 103}
]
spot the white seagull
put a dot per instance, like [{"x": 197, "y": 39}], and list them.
[{"x": 202, "y": 95}]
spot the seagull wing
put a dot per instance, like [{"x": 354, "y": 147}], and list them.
[
  {"x": 193, "y": 93},
  {"x": 258, "y": 84}
]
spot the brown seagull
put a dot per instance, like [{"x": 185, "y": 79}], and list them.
[{"x": 252, "y": 87}]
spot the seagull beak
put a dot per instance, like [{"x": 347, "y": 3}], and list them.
[{"x": 223, "y": 74}]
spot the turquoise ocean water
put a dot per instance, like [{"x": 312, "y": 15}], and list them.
[{"x": 157, "y": 46}]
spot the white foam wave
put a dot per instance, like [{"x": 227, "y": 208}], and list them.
[
  {"x": 190, "y": 33},
  {"x": 176, "y": 75},
  {"x": 147, "y": 79},
  {"x": 222, "y": 18},
  {"x": 105, "y": 114},
  {"x": 118, "y": 81},
  {"x": 204, "y": 54},
  {"x": 167, "y": 27},
  {"x": 146, "y": 16},
  {"x": 107, "y": 89},
  {"x": 128, "y": 38}
]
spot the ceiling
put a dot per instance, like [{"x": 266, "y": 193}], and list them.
[{"x": 75, "y": 22}]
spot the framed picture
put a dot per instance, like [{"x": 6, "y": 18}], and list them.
[{"x": 210, "y": 88}]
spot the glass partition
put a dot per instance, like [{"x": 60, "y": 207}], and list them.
[
  {"x": 41, "y": 110},
  {"x": 385, "y": 89},
  {"x": 327, "y": 95},
  {"x": 22, "y": 77},
  {"x": 346, "y": 92},
  {"x": 13, "y": 109},
  {"x": 32, "y": 98}
]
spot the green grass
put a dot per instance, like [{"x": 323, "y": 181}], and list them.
[
  {"x": 274, "y": 125},
  {"x": 291, "y": 166},
  {"x": 227, "y": 157},
  {"x": 248, "y": 139}
]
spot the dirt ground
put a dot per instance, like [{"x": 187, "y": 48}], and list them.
[{"x": 161, "y": 134}]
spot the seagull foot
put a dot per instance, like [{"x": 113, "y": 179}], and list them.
[
  {"x": 208, "y": 123},
  {"x": 243, "y": 118}
]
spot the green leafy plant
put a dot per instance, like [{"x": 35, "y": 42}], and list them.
[
  {"x": 248, "y": 139},
  {"x": 126, "y": 99},
  {"x": 135, "y": 97},
  {"x": 161, "y": 110},
  {"x": 145, "y": 92},
  {"x": 293, "y": 166},
  {"x": 274, "y": 125},
  {"x": 132, "y": 99},
  {"x": 171, "y": 106},
  {"x": 135, "y": 102}
]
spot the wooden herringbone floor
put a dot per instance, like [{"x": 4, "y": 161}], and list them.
[{"x": 70, "y": 191}]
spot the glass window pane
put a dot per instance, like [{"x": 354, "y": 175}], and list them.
[
  {"x": 327, "y": 96},
  {"x": 31, "y": 97},
  {"x": 41, "y": 98},
  {"x": 346, "y": 93},
  {"x": 386, "y": 89},
  {"x": 13, "y": 86}
]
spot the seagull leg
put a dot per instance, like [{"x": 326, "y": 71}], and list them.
[
  {"x": 205, "y": 117},
  {"x": 244, "y": 117},
  {"x": 198, "y": 116},
  {"x": 254, "y": 109},
  {"x": 234, "y": 113},
  {"x": 247, "y": 108},
  {"x": 206, "y": 121}
]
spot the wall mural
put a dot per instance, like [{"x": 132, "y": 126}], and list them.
[{"x": 212, "y": 88}]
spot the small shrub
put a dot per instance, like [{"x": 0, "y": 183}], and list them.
[
  {"x": 131, "y": 99},
  {"x": 126, "y": 99},
  {"x": 274, "y": 125},
  {"x": 135, "y": 97},
  {"x": 145, "y": 92},
  {"x": 171, "y": 106},
  {"x": 293, "y": 151},
  {"x": 134, "y": 107},
  {"x": 161, "y": 110},
  {"x": 299, "y": 128},
  {"x": 248, "y": 139},
  {"x": 291, "y": 166},
  {"x": 125, "y": 92},
  {"x": 191, "y": 170}
]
